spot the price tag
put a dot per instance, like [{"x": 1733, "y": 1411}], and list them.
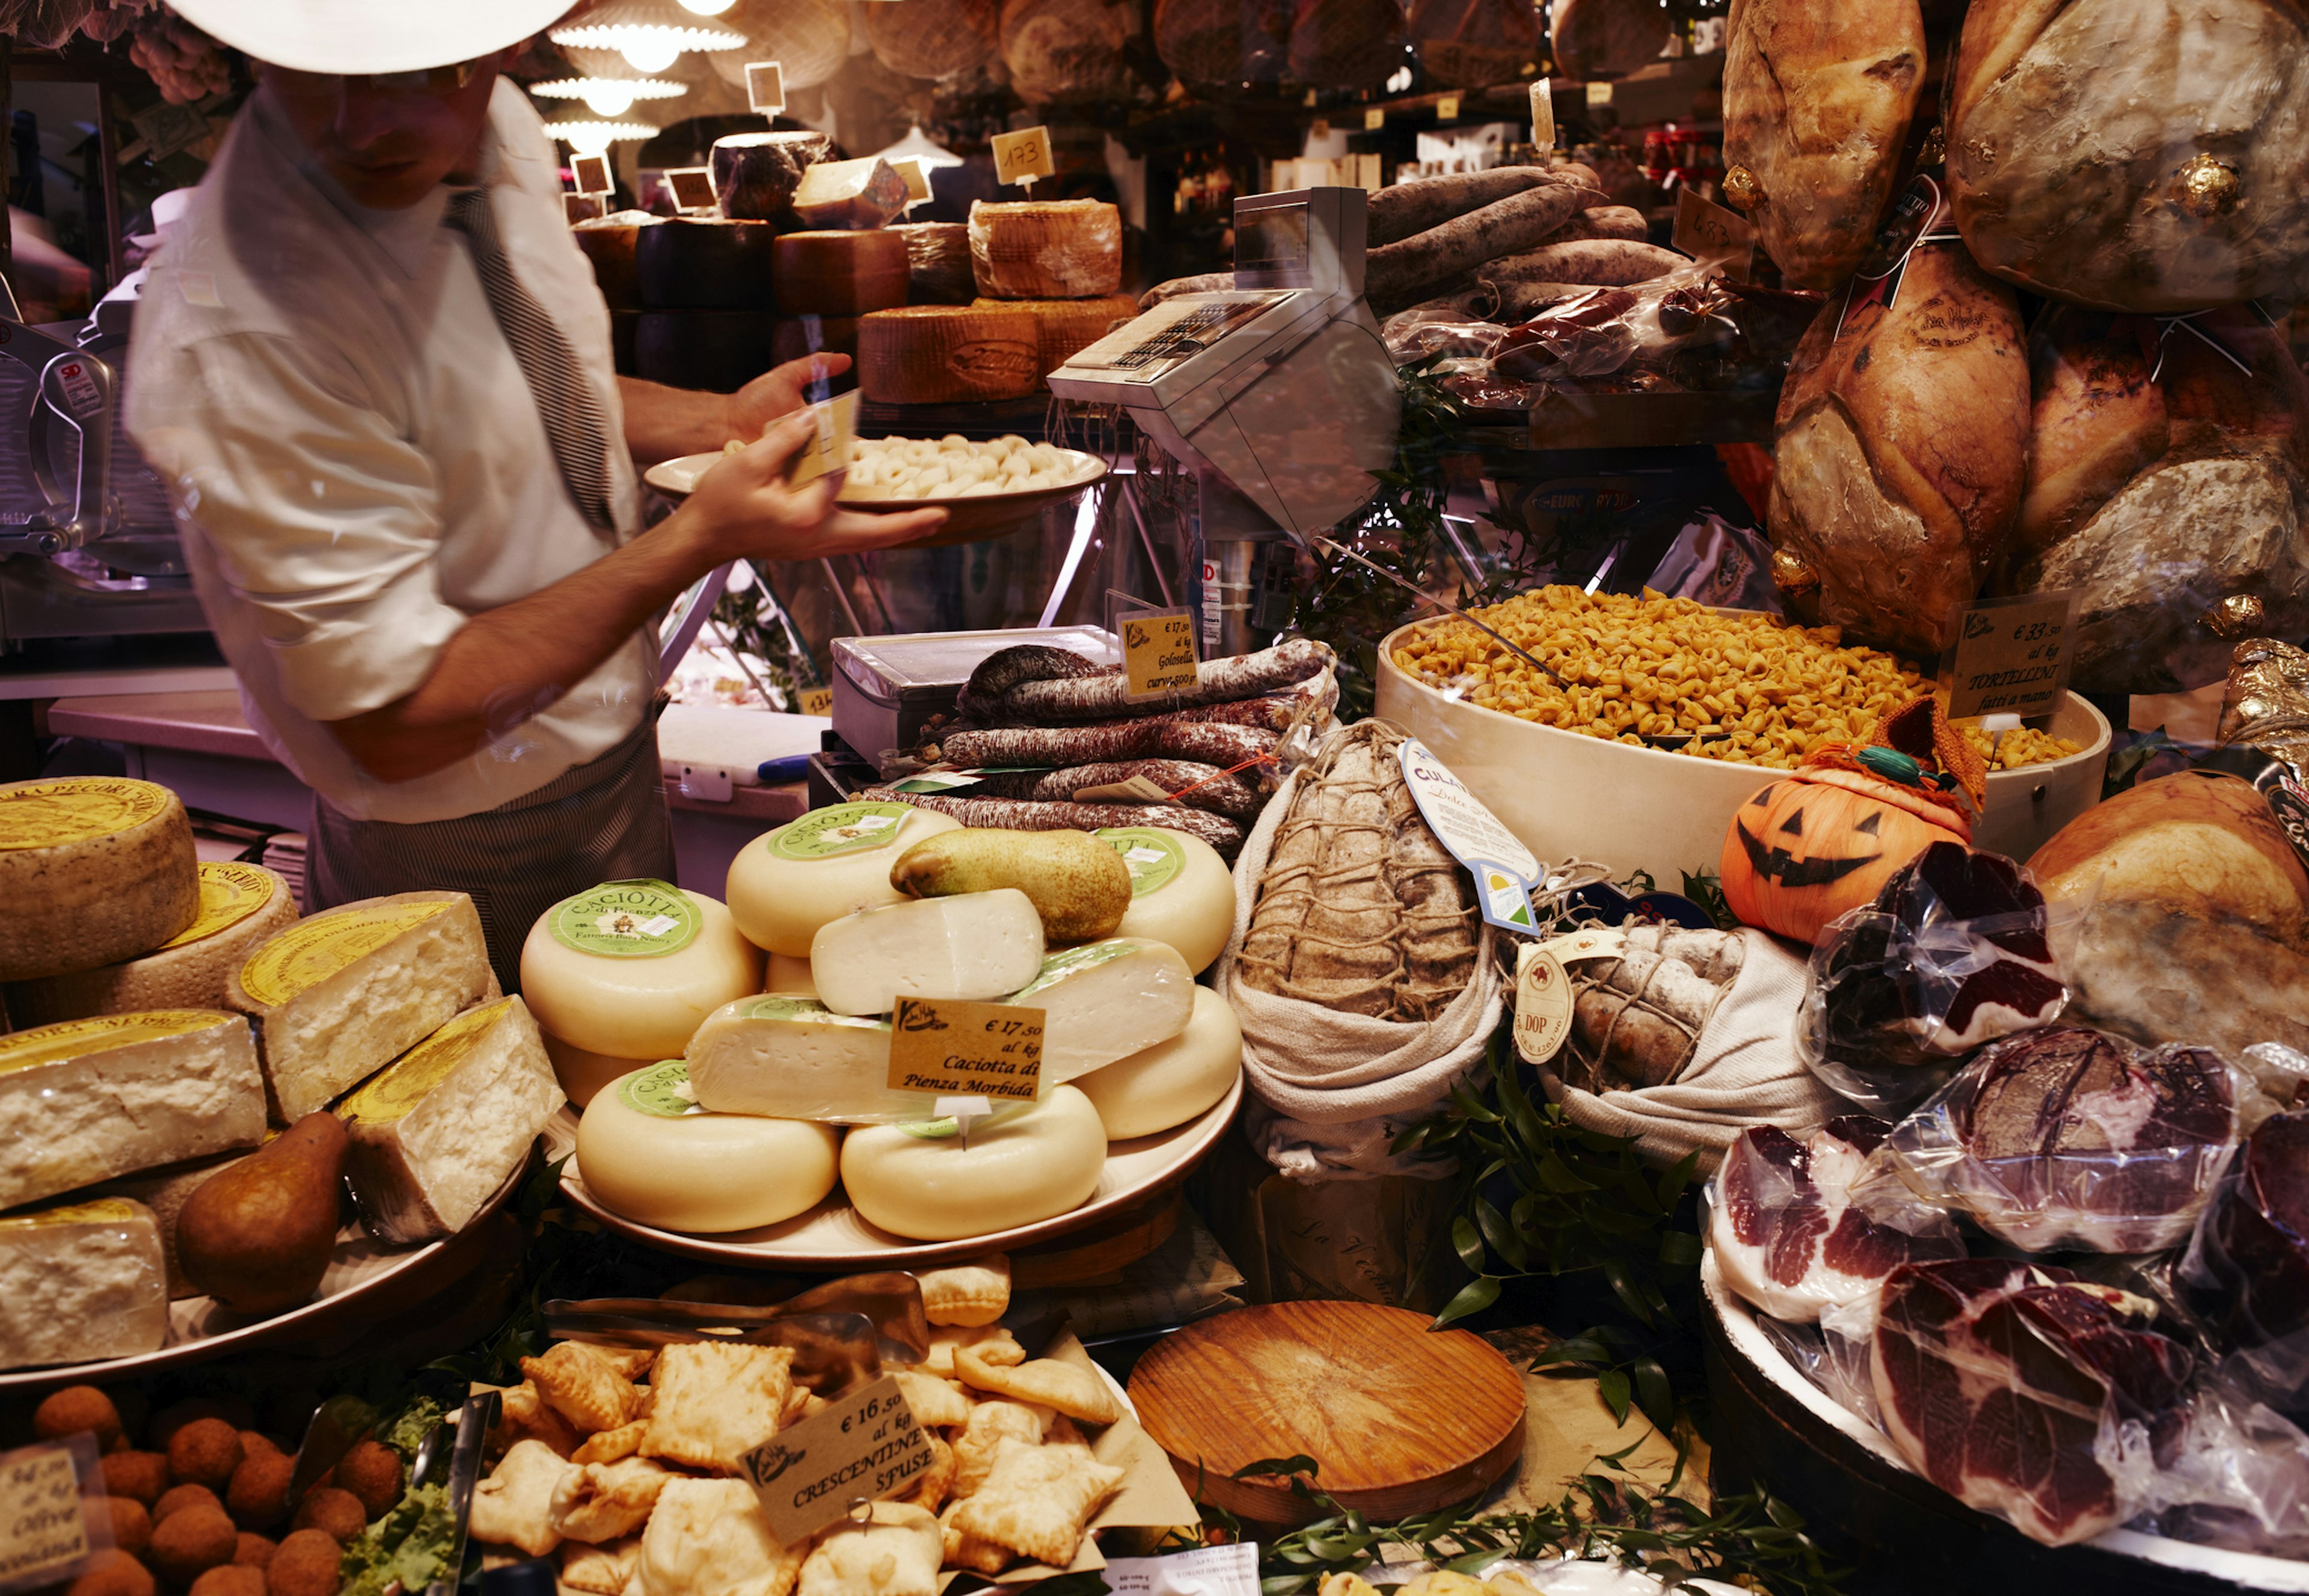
[
  {"x": 765, "y": 87},
  {"x": 917, "y": 181},
  {"x": 1596, "y": 941},
  {"x": 692, "y": 188},
  {"x": 1310, "y": 101},
  {"x": 829, "y": 448},
  {"x": 1319, "y": 128},
  {"x": 579, "y": 207},
  {"x": 1023, "y": 156},
  {"x": 813, "y": 700},
  {"x": 45, "y": 1533},
  {"x": 1504, "y": 869},
  {"x": 1598, "y": 94},
  {"x": 1374, "y": 118},
  {"x": 946, "y": 1046},
  {"x": 1543, "y": 116},
  {"x": 2012, "y": 656},
  {"x": 1367, "y": 172},
  {"x": 1446, "y": 109},
  {"x": 592, "y": 174},
  {"x": 1138, "y": 789},
  {"x": 1706, "y": 231},
  {"x": 867, "y": 1445},
  {"x": 1158, "y": 651},
  {"x": 1543, "y": 1004}
]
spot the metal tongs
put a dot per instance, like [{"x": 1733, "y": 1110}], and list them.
[
  {"x": 841, "y": 1333},
  {"x": 463, "y": 1444}
]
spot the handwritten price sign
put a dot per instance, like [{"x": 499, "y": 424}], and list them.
[
  {"x": 868, "y": 1446},
  {"x": 2012, "y": 656},
  {"x": 45, "y": 1535},
  {"x": 1158, "y": 651},
  {"x": 1023, "y": 156},
  {"x": 953, "y": 1049}
]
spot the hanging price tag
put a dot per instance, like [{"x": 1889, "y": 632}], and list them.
[
  {"x": 1446, "y": 109},
  {"x": 868, "y": 1446},
  {"x": 2012, "y": 656},
  {"x": 45, "y": 1532},
  {"x": 692, "y": 188},
  {"x": 1706, "y": 231},
  {"x": 957, "y": 1049},
  {"x": 1158, "y": 651},
  {"x": 1374, "y": 119},
  {"x": 1023, "y": 156},
  {"x": 1543, "y": 116},
  {"x": 591, "y": 173},
  {"x": 1543, "y": 1004},
  {"x": 765, "y": 87}
]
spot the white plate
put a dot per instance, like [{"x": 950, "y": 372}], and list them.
[
  {"x": 681, "y": 475},
  {"x": 362, "y": 1270},
  {"x": 832, "y": 1236}
]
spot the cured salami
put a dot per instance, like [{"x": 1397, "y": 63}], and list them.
[
  {"x": 1224, "y": 746},
  {"x": 1394, "y": 274},
  {"x": 1083, "y": 698},
  {"x": 1011, "y": 814},
  {"x": 1194, "y": 786}
]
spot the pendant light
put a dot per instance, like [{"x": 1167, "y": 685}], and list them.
[{"x": 649, "y": 33}]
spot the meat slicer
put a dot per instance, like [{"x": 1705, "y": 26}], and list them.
[{"x": 1278, "y": 393}]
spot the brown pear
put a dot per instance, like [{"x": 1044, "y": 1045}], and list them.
[{"x": 257, "y": 1234}]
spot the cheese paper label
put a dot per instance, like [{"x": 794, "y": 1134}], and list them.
[
  {"x": 1543, "y": 1004},
  {"x": 867, "y": 1447},
  {"x": 230, "y": 892},
  {"x": 953, "y": 1048},
  {"x": 842, "y": 829},
  {"x": 52, "y": 813},
  {"x": 635, "y": 919},
  {"x": 46, "y": 1534},
  {"x": 1505, "y": 871},
  {"x": 1154, "y": 858},
  {"x": 662, "y": 1090},
  {"x": 72, "y": 1039},
  {"x": 1158, "y": 653},
  {"x": 401, "y": 1085},
  {"x": 2012, "y": 656},
  {"x": 310, "y": 951}
]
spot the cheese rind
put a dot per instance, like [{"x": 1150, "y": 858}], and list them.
[
  {"x": 826, "y": 271},
  {"x": 948, "y": 354},
  {"x": 89, "y": 1100},
  {"x": 790, "y": 974},
  {"x": 1045, "y": 249},
  {"x": 583, "y": 1074},
  {"x": 100, "y": 869},
  {"x": 784, "y": 885},
  {"x": 1181, "y": 892},
  {"x": 647, "y": 1152},
  {"x": 241, "y": 904},
  {"x": 629, "y": 969},
  {"x": 794, "y": 1058},
  {"x": 1063, "y": 327},
  {"x": 81, "y": 1282},
  {"x": 1019, "y": 1166},
  {"x": 340, "y": 995},
  {"x": 434, "y": 1133},
  {"x": 976, "y": 946},
  {"x": 938, "y": 263},
  {"x": 1170, "y": 1083},
  {"x": 1105, "y": 1000}
]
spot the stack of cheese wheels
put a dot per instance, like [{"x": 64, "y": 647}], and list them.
[
  {"x": 948, "y": 354},
  {"x": 621, "y": 976},
  {"x": 105, "y": 868},
  {"x": 708, "y": 316},
  {"x": 1046, "y": 249},
  {"x": 241, "y": 906}
]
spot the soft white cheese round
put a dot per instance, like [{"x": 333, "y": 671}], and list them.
[
  {"x": 629, "y": 969},
  {"x": 1025, "y": 1164},
  {"x": 583, "y": 1074},
  {"x": 975, "y": 946},
  {"x": 1181, "y": 892},
  {"x": 1171, "y": 1082},
  {"x": 789, "y": 975},
  {"x": 784, "y": 885},
  {"x": 647, "y": 1152}
]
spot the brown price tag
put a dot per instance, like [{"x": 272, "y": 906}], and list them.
[
  {"x": 953, "y": 1049},
  {"x": 1706, "y": 231},
  {"x": 813, "y": 700},
  {"x": 1158, "y": 651},
  {"x": 44, "y": 1533},
  {"x": 2012, "y": 656},
  {"x": 1022, "y": 155},
  {"x": 868, "y": 1446}
]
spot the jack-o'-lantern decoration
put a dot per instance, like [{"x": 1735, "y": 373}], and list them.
[{"x": 1825, "y": 840}]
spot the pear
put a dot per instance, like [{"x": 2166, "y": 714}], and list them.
[
  {"x": 257, "y": 1234},
  {"x": 1078, "y": 883}
]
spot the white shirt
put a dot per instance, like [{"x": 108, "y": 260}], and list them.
[{"x": 357, "y": 462}]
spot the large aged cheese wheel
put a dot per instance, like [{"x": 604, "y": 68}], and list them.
[
  {"x": 1901, "y": 449},
  {"x": 2176, "y": 505},
  {"x": 1469, "y": 44},
  {"x": 689, "y": 262},
  {"x": 1045, "y": 249},
  {"x": 1326, "y": 44},
  {"x": 104, "y": 869},
  {"x": 946, "y": 354},
  {"x": 934, "y": 41},
  {"x": 2135, "y": 154},
  {"x": 1606, "y": 38},
  {"x": 1817, "y": 100},
  {"x": 1067, "y": 50},
  {"x": 808, "y": 38}
]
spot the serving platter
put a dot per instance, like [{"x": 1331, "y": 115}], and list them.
[
  {"x": 968, "y": 520},
  {"x": 833, "y": 1237}
]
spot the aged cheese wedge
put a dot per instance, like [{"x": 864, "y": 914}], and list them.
[
  {"x": 92, "y": 1099},
  {"x": 434, "y": 1133},
  {"x": 1105, "y": 1000},
  {"x": 976, "y": 946},
  {"x": 98, "y": 869},
  {"x": 830, "y": 863},
  {"x": 583, "y": 1074},
  {"x": 629, "y": 969},
  {"x": 1181, "y": 892},
  {"x": 81, "y": 1282},
  {"x": 1170, "y": 1083},
  {"x": 1045, "y": 249},
  {"x": 339, "y": 996},
  {"x": 830, "y": 272},
  {"x": 865, "y": 193},
  {"x": 1020, "y": 1165},
  {"x": 164, "y": 1191},
  {"x": 647, "y": 1150},
  {"x": 794, "y": 1058},
  {"x": 948, "y": 354},
  {"x": 241, "y": 904}
]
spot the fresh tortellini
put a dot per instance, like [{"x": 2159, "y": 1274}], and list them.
[{"x": 954, "y": 467}]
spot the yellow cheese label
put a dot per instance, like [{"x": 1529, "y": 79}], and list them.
[
  {"x": 230, "y": 892},
  {"x": 76, "y": 1038},
  {"x": 310, "y": 951},
  {"x": 401, "y": 1085},
  {"x": 104, "y": 1210},
  {"x": 49, "y": 814}
]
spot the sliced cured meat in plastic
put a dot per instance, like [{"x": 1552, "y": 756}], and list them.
[
  {"x": 1790, "y": 1235},
  {"x": 2069, "y": 1137},
  {"x": 1996, "y": 1378},
  {"x": 2246, "y": 1275}
]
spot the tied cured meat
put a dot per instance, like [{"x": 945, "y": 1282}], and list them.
[
  {"x": 1008, "y": 814},
  {"x": 1107, "y": 694},
  {"x": 1471, "y": 44},
  {"x": 1818, "y": 97},
  {"x": 1788, "y": 1235},
  {"x": 1006, "y": 668},
  {"x": 1224, "y": 746},
  {"x": 1995, "y": 1378},
  {"x": 2147, "y": 155},
  {"x": 1406, "y": 210},
  {"x": 1197, "y": 786},
  {"x": 2247, "y": 1272}
]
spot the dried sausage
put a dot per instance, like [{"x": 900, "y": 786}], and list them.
[{"x": 1012, "y": 814}]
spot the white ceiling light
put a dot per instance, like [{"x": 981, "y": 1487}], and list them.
[
  {"x": 707, "y": 8},
  {"x": 918, "y": 145},
  {"x": 649, "y": 33},
  {"x": 591, "y": 134}
]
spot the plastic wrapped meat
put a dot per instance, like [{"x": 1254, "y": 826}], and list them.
[
  {"x": 2246, "y": 1274},
  {"x": 1788, "y": 1233},
  {"x": 2068, "y": 1137},
  {"x": 1997, "y": 1379},
  {"x": 1952, "y": 955}
]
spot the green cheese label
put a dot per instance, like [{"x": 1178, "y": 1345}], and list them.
[
  {"x": 801, "y": 1008},
  {"x": 844, "y": 829},
  {"x": 1155, "y": 857},
  {"x": 933, "y": 1129},
  {"x": 635, "y": 919},
  {"x": 662, "y": 1090}
]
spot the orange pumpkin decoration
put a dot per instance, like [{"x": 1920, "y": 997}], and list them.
[{"x": 1824, "y": 841}]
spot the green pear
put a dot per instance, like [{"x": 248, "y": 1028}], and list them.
[
  {"x": 1079, "y": 884},
  {"x": 257, "y": 1234}
]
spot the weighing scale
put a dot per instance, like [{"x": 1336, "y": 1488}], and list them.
[{"x": 1278, "y": 394}]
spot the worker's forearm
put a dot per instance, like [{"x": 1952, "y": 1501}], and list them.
[
  {"x": 506, "y": 665},
  {"x": 663, "y": 423}
]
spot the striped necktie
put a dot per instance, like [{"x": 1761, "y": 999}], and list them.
[{"x": 566, "y": 400}]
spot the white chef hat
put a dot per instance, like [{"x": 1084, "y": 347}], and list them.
[{"x": 365, "y": 36}]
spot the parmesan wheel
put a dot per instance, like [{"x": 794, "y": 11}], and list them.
[
  {"x": 946, "y": 354},
  {"x": 1045, "y": 249},
  {"x": 1063, "y": 326},
  {"x": 689, "y": 262},
  {"x": 1170, "y": 1083},
  {"x": 784, "y": 885},
  {"x": 839, "y": 273},
  {"x": 646, "y": 1150},
  {"x": 937, "y": 253},
  {"x": 629, "y": 969},
  {"x": 1181, "y": 892},
  {"x": 100, "y": 869},
  {"x": 1021, "y": 1166},
  {"x": 583, "y": 1074},
  {"x": 241, "y": 904}
]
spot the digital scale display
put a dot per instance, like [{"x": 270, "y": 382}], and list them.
[{"x": 1272, "y": 240}]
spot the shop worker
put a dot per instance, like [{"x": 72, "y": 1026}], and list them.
[{"x": 374, "y": 369}]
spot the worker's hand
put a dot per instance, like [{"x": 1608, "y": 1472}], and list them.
[
  {"x": 779, "y": 392},
  {"x": 744, "y": 509}
]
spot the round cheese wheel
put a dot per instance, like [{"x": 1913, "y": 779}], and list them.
[
  {"x": 629, "y": 969},
  {"x": 1181, "y": 892},
  {"x": 1171, "y": 1082},
  {"x": 789, "y": 975},
  {"x": 1025, "y": 1164},
  {"x": 646, "y": 1150},
  {"x": 834, "y": 272},
  {"x": 583, "y": 1074},
  {"x": 98, "y": 868},
  {"x": 241, "y": 904},
  {"x": 785, "y": 885},
  {"x": 689, "y": 262}
]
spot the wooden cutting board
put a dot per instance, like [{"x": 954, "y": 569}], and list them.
[{"x": 1401, "y": 1419}]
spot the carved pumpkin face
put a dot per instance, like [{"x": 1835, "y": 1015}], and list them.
[{"x": 1814, "y": 844}]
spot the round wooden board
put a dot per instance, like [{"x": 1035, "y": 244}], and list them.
[{"x": 1402, "y": 1420}]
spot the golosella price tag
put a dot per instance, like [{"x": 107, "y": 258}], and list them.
[
  {"x": 960, "y": 1049},
  {"x": 866, "y": 1448},
  {"x": 1158, "y": 651}
]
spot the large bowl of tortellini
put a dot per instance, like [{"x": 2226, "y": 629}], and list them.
[{"x": 987, "y": 489}]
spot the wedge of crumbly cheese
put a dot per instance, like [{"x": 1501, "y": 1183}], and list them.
[
  {"x": 241, "y": 905},
  {"x": 81, "y": 1282},
  {"x": 341, "y": 995},
  {"x": 438, "y": 1130},
  {"x": 91, "y": 1099},
  {"x": 1105, "y": 1000},
  {"x": 164, "y": 1190},
  {"x": 794, "y": 1058}
]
